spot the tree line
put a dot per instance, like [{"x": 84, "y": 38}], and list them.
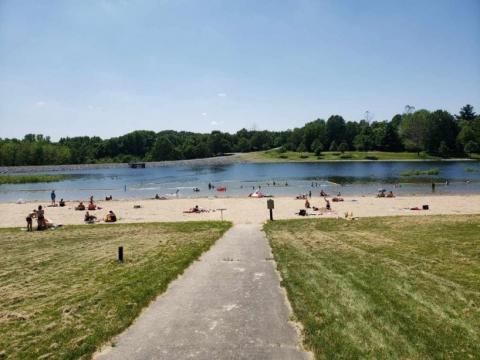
[{"x": 434, "y": 132}]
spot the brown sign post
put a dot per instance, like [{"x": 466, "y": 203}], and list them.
[{"x": 270, "y": 206}]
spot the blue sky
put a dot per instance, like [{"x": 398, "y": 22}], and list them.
[{"x": 108, "y": 67}]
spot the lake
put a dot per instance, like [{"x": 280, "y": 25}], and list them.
[{"x": 349, "y": 178}]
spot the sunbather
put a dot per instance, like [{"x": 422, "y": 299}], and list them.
[
  {"x": 80, "y": 206},
  {"x": 390, "y": 194},
  {"x": 89, "y": 218},
  {"x": 110, "y": 217}
]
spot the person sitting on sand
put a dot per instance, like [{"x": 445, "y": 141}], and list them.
[
  {"x": 157, "y": 197},
  {"x": 108, "y": 198},
  {"x": 110, "y": 217},
  {"x": 327, "y": 204},
  {"x": 337, "y": 198},
  {"x": 307, "y": 204},
  {"x": 90, "y": 218},
  {"x": 323, "y": 193},
  {"x": 80, "y": 206},
  {"x": 381, "y": 194},
  {"x": 61, "y": 203},
  {"x": 390, "y": 194}
]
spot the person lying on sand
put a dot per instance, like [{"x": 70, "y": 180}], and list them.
[
  {"x": 110, "y": 217},
  {"x": 80, "y": 206},
  {"x": 390, "y": 194},
  {"x": 195, "y": 209},
  {"x": 90, "y": 219},
  {"x": 337, "y": 198},
  {"x": 301, "y": 197}
]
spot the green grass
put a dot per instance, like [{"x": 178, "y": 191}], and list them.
[
  {"x": 28, "y": 179},
  {"x": 383, "y": 288},
  {"x": 63, "y": 293},
  {"x": 432, "y": 171},
  {"x": 275, "y": 155}
]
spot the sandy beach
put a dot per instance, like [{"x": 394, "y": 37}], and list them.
[{"x": 244, "y": 210}]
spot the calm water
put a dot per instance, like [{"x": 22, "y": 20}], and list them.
[{"x": 346, "y": 177}]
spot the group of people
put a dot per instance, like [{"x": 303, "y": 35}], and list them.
[
  {"x": 382, "y": 194},
  {"x": 43, "y": 223}
]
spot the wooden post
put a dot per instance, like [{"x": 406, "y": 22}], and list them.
[
  {"x": 120, "y": 253},
  {"x": 270, "y": 206}
]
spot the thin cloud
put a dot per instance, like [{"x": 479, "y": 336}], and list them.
[
  {"x": 40, "y": 103},
  {"x": 222, "y": 95},
  {"x": 204, "y": 114}
]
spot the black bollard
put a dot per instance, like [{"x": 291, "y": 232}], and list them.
[
  {"x": 271, "y": 214},
  {"x": 120, "y": 253}
]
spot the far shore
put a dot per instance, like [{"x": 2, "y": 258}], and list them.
[
  {"x": 228, "y": 159},
  {"x": 246, "y": 210}
]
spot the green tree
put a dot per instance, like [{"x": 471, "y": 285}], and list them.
[
  {"x": 467, "y": 113},
  {"x": 343, "y": 147}
]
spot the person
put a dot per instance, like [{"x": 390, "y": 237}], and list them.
[
  {"x": 307, "y": 204},
  {"x": 327, "y": 205},
  {"x": 89, "y": 218},
  {"x": 310, "y": 193},
  {"x": 157, "y": 197},
  {"x": 80, "y": 206},
  {"x": 110, "y": 217},
  {"x": 61, "y": 203},
  {"x": 381, "y": 194},
  {"x": 433, "y": 186},
  {"x": 337, "y": 198},
  {"x": 41, "y": 225},
  {"x": 53, "y": 196},
  {"x": 323, "y": 193},
  {"x": 390, "y": 194},
  {"x": 29, "y": 219},
  {"x": 209, "y": 186},
  {"x": 108, "y": 198}
]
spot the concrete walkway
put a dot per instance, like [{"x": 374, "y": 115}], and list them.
[{"x": 228, "y": 305}]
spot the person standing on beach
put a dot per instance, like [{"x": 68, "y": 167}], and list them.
[
  {"x": 53, "y": 196},
  {"x": 433, "y": 187}
]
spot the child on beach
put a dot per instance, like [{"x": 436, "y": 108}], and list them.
[{"x": 29, "y": 219}]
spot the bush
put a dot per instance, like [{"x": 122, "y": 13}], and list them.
[
  {"x": 343, "y": 147},
  {"x": 471, "y": 147},
  {"x": 345, "y": 156},
  {"x": 303, "y": 156},
  {"x": 369, "y": 157},
  {"x": 333, "y": 146}
]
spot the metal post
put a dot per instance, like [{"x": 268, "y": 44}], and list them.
[
  {"x": 120, "y": 253},
  {"x": 271, "y": 214}
]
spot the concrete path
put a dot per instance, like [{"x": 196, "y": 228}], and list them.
[{"x": 227, "y": 305}]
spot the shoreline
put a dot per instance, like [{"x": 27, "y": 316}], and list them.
[{"x": 245, "y": 210}]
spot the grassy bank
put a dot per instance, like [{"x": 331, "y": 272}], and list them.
[
  {"x": 63, "y": 293},
  {"x": 275, "y": 155},
  {"x": 28, "y": 179},
  {"x": 397, "y": 287}
]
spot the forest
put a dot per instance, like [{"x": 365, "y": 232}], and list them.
[{"x": 434, "y": 132}]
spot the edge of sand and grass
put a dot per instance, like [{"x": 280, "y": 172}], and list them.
[
  {"x": 276, "y": 155},
  {"x": 64, "y": 294},
  {"x": 396, "y": 287}
]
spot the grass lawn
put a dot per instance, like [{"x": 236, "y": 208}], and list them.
[
  {"x": 275, "y": 155},
  {"x": 28, "y": 179},
  {"x": 378, "y": 288},
  {"x": 63, "y": 293}
]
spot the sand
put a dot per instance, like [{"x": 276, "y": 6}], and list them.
[{"x": 244, "y": 210}]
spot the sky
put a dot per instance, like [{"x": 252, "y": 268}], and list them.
[{"x": 105, "y": 67}]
